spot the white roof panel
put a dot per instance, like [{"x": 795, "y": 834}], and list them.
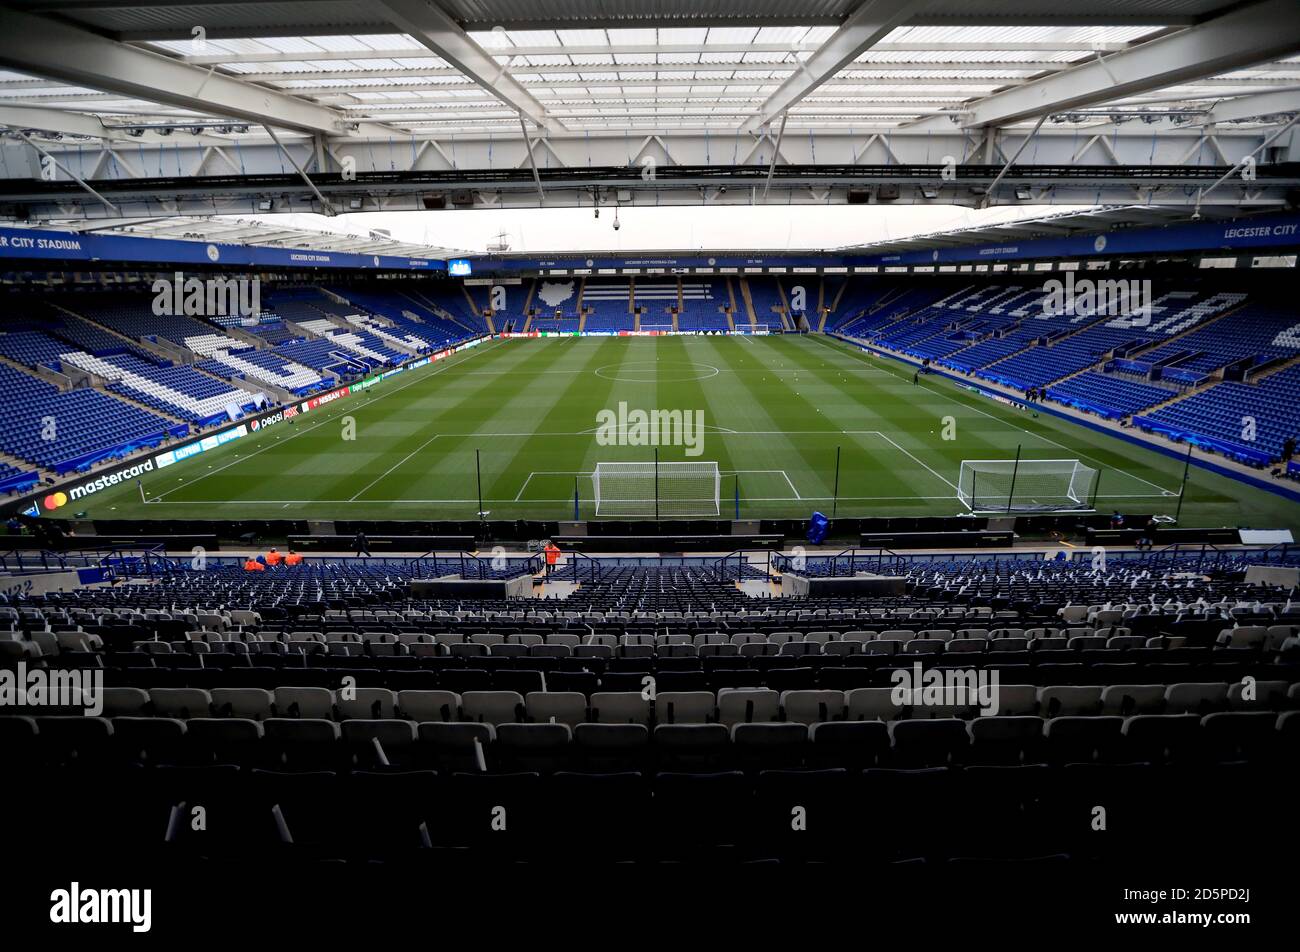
[{"x": 607, "y": 56}]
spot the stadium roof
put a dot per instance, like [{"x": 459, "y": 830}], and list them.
[
  {"x": 143, "y": 19},
  {"x": 242, "y": 232},
  {"x": 401, "y": 67},
  {"x": 1051, "y": 226},
  {"x": 324, "y": 105}
]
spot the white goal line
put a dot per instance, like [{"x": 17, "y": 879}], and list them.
[{"x": 722, "y": 472}]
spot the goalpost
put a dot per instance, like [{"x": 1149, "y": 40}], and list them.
[
  {"x": 743, "y": 327},
  {"x": 657, "y": 328},
  {"x": 652, "y": 489},
  {"x": 1026, "y": 485}
]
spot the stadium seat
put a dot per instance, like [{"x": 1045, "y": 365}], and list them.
[{"x": 746, "y": 705}]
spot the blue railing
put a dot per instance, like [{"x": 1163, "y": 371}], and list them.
[
  {"x": 18, "y": 562},
  {"x": 1192, "y": 556},
  {"x": 150, "y": 563},
  {"x": 739, "y": 565},
  {"x": 732, "y": 567},
  {"x": 846, "y": 563},
  {"x": 129, "y": 563}
]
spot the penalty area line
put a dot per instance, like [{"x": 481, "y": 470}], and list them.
[
  {"x": 393, "y": 467},
  {"x": 919, "y": 463},
  {"x": 855, "y": 355}
]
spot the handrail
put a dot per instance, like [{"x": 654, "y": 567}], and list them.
[
  {"x": 474, "y": 566},
  {"x": 153, "y": 561},
  {"x": 474, "y": 561},
  {"x": 579, "y": 558},
  {"x": 44, "y": 555},
  {"x": 875, "y": 558},
  {"x": 1284, "y": 548},
  {"x": 742, "y": 559},
  {"x": 851, "y": 560},
  {"x": 1172, "y": 551}
]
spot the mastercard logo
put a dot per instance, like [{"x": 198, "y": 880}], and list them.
[{"x": 55, "y": 500}]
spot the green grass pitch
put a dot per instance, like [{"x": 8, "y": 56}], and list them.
[{"x": 775, "y": 410}]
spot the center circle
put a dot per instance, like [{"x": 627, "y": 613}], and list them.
[{"x": 653, "y": 371}]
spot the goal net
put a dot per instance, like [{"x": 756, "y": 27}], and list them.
[
  {"x": 647, "y": 489},
  {"x": 656, "y": 328},
  {"x": 744, "y": 327},
  {"x": 1032, "y": 485}
]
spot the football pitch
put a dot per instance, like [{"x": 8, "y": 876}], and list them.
[{"x": 520, "y": 421}]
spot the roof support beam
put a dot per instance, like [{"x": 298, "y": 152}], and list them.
[
  {"x": 67, "y": 171},
  {"x": 776, "y": 152},
  {"x": 988, "y": 195},
  {"x": 1254, "y": 106},
  {"x": 67, "y": 122},
  {"x": 871, "y": 22},
  {"x": 325, "y": 202},
  {"x": 532, "y": 160},
  {"x": 431, "y": 26},
  {"x": 104, "y": 226},
  {"x": 1264, "y": 31},
  {"x": 1241, "y": 163},
  {"x": 49, "y": 48},
  {"x": 53, "y": 120}
]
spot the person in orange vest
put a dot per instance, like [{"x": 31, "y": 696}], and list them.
[
  {"x": 273, "y": 557},
  {"x": 252, "y": 565},
  {"x": 552, "y": 556},
  {"x": 293, "y": 558}
]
